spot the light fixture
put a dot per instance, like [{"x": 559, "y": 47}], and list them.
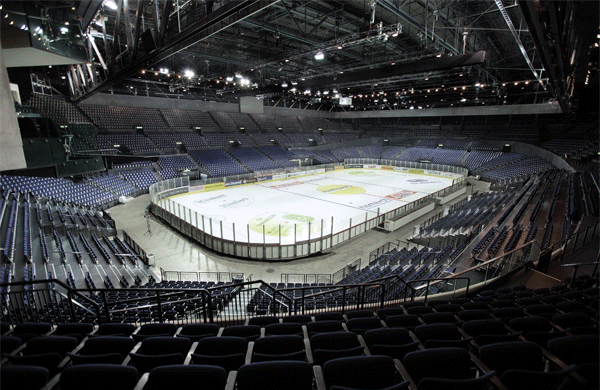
[
  {"x": 245, "y": 82},
  {"x": 188, "y": 73},
  {"x": 294, "y": 83},
  {"x": 284, "y": 84},
  {"x": 319, "y": 56},
  {"x": 229, "y": 78},
  {"x": 463, "y": 100},
  {"x": 163, "y": 70},
  {"x": 64, "y": 30},
  {"x": 238, "y": 75},
  {"x": 111, "y": 4},
  {"x": 340, "y": 46}
]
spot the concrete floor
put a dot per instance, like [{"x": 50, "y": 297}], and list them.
[{"x": 175, "y": 252}]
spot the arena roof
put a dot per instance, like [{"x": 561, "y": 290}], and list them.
[{"x": 384, "y": 54}]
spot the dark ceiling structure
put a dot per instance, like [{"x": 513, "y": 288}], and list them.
[{"x": 336, "y": 54}]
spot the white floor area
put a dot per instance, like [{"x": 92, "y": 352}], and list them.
[{"x": 296, "y": 209}]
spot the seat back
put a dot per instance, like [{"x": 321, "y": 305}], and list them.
[
  {"x": 578, "y": 349},
  {"x": 275, "y": 376},
  {"x": 334, "y": 341},
  {"x": 390, "y": 311},
  {"x": 263, "y": 320},
  {"x": 449, "y": 363},
  {"x": 186, "y": 377},
  {"x": 219, "y": 346},
  {"x": 157, "y": 328},
  {"x": 298, "y": 318},
  {"x": 359, "y": 314},
  {"x": 387, "y": 336},
  {"x": 324, "y": 327},
  {"x": 409, "y": 321},
  {"x": 512, "y": 355},
  {"x": 98, "y": 377},
  {"x": 283, "y": 329},
  {"x": 361, "y": 324},
  {"x": 279, "y": 345},
  {"x": 165, "y": 345},
  {"x": 111, "y": 329},
  {"x": 46, "y": 344},
  {"x": 360, "y": 372},
  {"x": 329, "y": 316},
  {"x": 478, "y": 327},
  {"x": 250, "y": 332},
  {"x": 199, "y": 330},
  {"x": 107, "y": 344},
  {"x": 437, "y": 332}
]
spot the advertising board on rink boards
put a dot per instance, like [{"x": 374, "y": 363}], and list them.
[{"x": 282, "y": 176}]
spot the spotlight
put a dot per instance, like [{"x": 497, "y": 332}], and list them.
[
  {"x": 319, "y": 56},
  {"x": 188, "y": 73},
  {"x": 111, "y": 4}
]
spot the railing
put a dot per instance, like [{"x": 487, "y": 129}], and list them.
[
  {"x": 576, "y": 240},
  {"x": 276, "y": 241},
  {"x": 306, "y": 278},
  {"x": 232, "y": 303},
  {"x": 347, "y": 270},
  {"x": 378, "y": 253},
  {"x": 136, "y": 248},
  {"x": 199, "y": 276}
]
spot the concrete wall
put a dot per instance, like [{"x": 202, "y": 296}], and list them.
[
  {"x": 11, "y": 145},
  {"x": 532, "y": 150},
  {"x": 105, "y": 99},
  {"x": 454, "y": 111}
]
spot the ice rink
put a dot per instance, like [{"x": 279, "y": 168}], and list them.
[{"x": 298, "y": 208}]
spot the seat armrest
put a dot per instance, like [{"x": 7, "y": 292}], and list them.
[
  {"x": 128, "y": 357},
  {"x": 249, "y": 352},
  {"x": 142, "y": 382},
  {"x": 309, "y": 356},
  {"x": 362, "y": 342},
  {"x": 52, "y": 383},
  {"x": 405, "y": 375},
  {"x": 230, "y": 385},
  {"x": 188, "y": 356},
  {"x": 485, "y": 369},
  {"x": 319, "y": 379}
]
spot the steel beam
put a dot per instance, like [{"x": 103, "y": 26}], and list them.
[
  {"x": 165, "y": 22},
  {"x": 128, "y": 32},
  {"x": 535, "y": 27},
  {"x": 115, "y": 43},
  {"x": 222, "y": 18},
  {"x": 137, "y": 30}
]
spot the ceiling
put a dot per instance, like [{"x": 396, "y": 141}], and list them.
[{"x": 384, "y": 54}]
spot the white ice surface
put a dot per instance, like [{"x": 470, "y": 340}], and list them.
[{"x": 295, "y": 201}]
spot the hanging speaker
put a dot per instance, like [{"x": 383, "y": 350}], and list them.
[{"x": 148, "y": 40}]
